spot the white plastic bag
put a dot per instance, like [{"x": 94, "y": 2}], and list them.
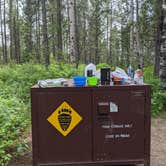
[{"x": 120, "y": 73}]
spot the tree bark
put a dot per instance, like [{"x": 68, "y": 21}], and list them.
[
  {"x": 139, "y": 43},
  {"x": 163, "y": 44},
  {"x": 11, "y": 29},
  {"x": 157, "y": 38},
  {"x": 96, "y": 52},
  {"x": 45, "y": 34},
  {"x": 28, "y": 33},
  {"x": 107, "y": 47},
  {"x": 53, "y": 36},
  {"x": 2, "y": 34},
  {"x": 72, "y": 32},
  {"x": 97, "y": 31},
  {"x": 77, "y": 35},
  {"x": 68, "y": 32},
  {"x": 59, "y": 30},
  {"x": 110, "y": 40},
  {"x": 18, "y": 35},
  {"x": 74, "y": 43},
  {"x": 84, "y": 37},
  {"x": 15, "y": 40},
  {"x": 132, "y": 32},
  {"x": 5, "y": 37},
  {"x": 38, "y": 47}
]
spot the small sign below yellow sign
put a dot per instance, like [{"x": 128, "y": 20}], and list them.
[{"x": 64, "y": 118}]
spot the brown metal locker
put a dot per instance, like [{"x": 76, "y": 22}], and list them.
[{"x": 77, "y": 126}]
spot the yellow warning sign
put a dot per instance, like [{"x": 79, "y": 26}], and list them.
[{"x": 64, "y": 118}]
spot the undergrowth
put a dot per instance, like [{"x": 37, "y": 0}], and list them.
[
  {"x": 15, "y": 83},
  {"x": 158, "y": 96}
]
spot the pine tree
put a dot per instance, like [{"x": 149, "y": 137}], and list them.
[{"x": 163, "y": 44}]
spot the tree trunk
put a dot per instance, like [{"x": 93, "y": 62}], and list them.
[
  {"x": 157, "y": 38},
  {"x": 68, "y": 31},
  {"x": 72, "y": 32},
  {"x": 5, "y": 38},
  {"x": 59, "y": 29},
  {"x": 11, "y": 29},
  {"x": 96, "y": 53},
  {"x": 15, "y": 39},
  {"x": 53, "y": 36},
  {"x": 110, "y": 40},
  {"x": 2, "y": 35},
  {"x": 84, "y": 56},
  {"x": 107, "y": 47},
  {"x": 74, "y": 43},
  {"x": 97, "y": 31},
  {"x": 18, "y": 35},
  {"x": 28, "y": 26},
  {"x": 45, "y": 34},
  {"x": 77, "y": 35},
  {"x": 132, "y": 33},
  {"x": 163, "y": 44},
  {"x": 38, "y": 52},
  {"x": 139, "y": 44}
]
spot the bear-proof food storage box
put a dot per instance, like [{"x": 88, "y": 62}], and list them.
[{"x": 101, "y": 126}]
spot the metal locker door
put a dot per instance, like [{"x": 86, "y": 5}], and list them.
[
  {"x": 52, "y": 145},
  {"x": 118, "y": 124}
]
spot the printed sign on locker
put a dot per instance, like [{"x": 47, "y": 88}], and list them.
[{"x": 64, "y": 118}]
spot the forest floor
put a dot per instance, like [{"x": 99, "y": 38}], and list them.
[{"x": 158, "y": 146}]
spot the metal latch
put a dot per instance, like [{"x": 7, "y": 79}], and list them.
[{"x": 103, "y": 108}]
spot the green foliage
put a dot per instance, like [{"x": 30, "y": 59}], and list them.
[
  {"x": 15, "y": 83},
  {"x": 158, "y": 96},
  {"x": 158, "y": 102},
  {"x": 13, "y": 121},
  {"x": 102, "y": 65}
]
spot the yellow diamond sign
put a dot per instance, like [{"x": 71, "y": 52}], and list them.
[{"x": 64, "y": 118}]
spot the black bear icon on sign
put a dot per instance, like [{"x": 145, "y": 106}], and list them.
[{"x": 64, "y": 118}]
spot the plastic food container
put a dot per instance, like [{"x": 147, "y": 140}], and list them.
[
  {"x": 92, "y": 81},
  {"x": 79, "y": 80},
  {"x": 119, "y": 81}
]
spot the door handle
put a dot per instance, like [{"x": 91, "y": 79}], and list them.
[{"x": 138, "y": 93}]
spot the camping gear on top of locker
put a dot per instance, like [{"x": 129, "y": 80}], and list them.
[
  {"x": 90, "y": 70},
  {"x": 105, "y": 76},
  {"x": 102, "y": 76},
  {"x": 79, "y": 80},
  {"x": 52, "y": 82},
  {"x": 92, "y": 81},
  {"x": 138, "y": 76},
  {"x": 120, "y": 76},
  {"x": 90, "y": 73},
  {"x": 130, "y": 71}
]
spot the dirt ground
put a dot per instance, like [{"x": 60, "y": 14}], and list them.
[
  {"x": 158, "y": 146},
  {"x": 158, "y": 142}
]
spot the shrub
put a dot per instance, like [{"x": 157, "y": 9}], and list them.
[
  {"x": 15, "y": 83},
  {"x": 158, "y": 99}
]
